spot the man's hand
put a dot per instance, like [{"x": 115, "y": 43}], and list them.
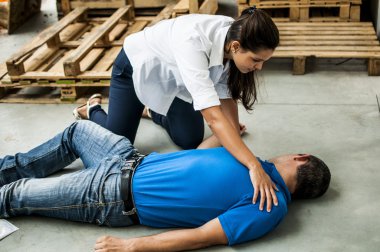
[
  {"x": 207, "y": 235},
  {"x": 110, "y": 243},
  {"x": 263, "y": 184}
]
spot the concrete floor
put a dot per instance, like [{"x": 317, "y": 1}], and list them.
[{"x": 330, "y": 113}]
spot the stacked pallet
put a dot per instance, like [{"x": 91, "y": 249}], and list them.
[
  {"x": 348, "y": 40},
  {"x": 14, "y": 13},
  {"x": 307, "y": 10},
  {"x": 74, "y": 54}
]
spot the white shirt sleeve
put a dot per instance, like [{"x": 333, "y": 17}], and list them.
[{"x": 192, "y": 62}]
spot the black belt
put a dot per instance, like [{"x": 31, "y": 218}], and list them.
[{"x": 126, "y": 186}]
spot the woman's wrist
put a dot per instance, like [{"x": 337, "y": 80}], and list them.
[{"x": 254, "y": 165}]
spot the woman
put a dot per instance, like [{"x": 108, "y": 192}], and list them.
[{"x": 188, "y": 69}]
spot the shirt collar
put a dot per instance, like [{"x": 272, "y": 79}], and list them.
[
  {"x": 217, "y": 50},
  {"x": 271, "y": 170}
]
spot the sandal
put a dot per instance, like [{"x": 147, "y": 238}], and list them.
[{"x": 89, "y": 106}]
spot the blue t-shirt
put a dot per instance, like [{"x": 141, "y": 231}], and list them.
[{"x": 190, "y": 188}]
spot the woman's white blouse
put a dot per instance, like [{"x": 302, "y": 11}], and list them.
[{"x": 181, "y": 57}]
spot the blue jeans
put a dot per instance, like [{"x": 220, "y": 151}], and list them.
[
  {"x": 184, "y": 125},
  {"x": 90, "y": 195}
]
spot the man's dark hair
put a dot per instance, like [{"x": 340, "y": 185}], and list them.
[{"x": 313, "y": 179}]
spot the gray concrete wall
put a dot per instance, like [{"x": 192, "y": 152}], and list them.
[{"x": 375, "y": 12}]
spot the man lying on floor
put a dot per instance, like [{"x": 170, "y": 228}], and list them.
[{"x": 206, "y": 191}]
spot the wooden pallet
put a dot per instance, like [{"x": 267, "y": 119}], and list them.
[
  {"x": 328, "y": 40},
  {"x": 307, "y": 10},
  {"x": 184, "y": 7},
  {"x": 50, "y": 95},
  {"x": 100, "y": 6},
  {"x": 13, "y": 13},
  {"x": 75, "y": 53}
]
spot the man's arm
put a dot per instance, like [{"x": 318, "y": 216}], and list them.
[{"x": 207, "y": 235}]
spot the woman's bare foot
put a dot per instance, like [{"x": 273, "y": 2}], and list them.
[{"x": 146, "y": 113}]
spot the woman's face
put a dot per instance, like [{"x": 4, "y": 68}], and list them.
[{"x": 248, "y": 61}]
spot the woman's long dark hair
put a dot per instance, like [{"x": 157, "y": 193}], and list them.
[{"x": 255, "y": 30}]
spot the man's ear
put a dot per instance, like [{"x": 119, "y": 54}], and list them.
[{"x": 302, "y": 157}]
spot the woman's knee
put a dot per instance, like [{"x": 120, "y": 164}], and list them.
[{"x": 188, "y": 141}]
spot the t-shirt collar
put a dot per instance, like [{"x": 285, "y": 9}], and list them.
[{"x": 271, "y": 169}]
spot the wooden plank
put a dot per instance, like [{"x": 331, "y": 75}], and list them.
[
  {"x": 337, "y": 32},
  {"x": 46, "y": 65},
  {"x": 350, "y": 24},
  {"x": 60, "y": 84},
  {"x": 90, "y": 59},
  {"x": 316, "y": 29},
  {"x": 58, "y": 66},
  {"x": 299, "y": 64},
  {"x": 143, "y": 18},
  {"x": 326, "y": 54},
  {"x": 48, "y": 34},
  {"x": 136, "y": 27},
  {"x": 326, "y": 42},
  {"x": 182, "y": 6},
  {"x": 151, "y": 3},
  {"x": 330, "y": 37},
  {"x": 39, "y": 57},
  {"x": 117, "y": 31},
  {"x": 294, "y": 13},
  {"x": 164, "y": 14},
  {"x": 106, "y": 62},
  {"x": 65, "y": 6},
  {"x": 355, "y": 13},
  {"x": 374, "y": 67},
  {"x": 194, "y": 6},
  {"x": 76, "y": 44},
  {"x": 71, "y": 66},
  {"x": 330, "y": 48},
  {"x": 3, "y": 70},
  {"x": 88, "y": 75},
  {"x": 304, "y": 13},
  {"x": 208, "y": 7},
  {"x": 344, "y": 12},
  {"x": 42, "y": 54},
  {"x": 71, "y": 31},
  {"x": 114, "y": 4}
]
